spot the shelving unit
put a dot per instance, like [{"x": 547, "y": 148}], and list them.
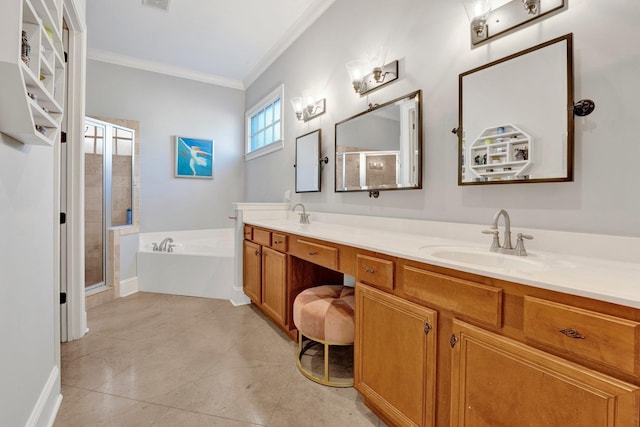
[
  {"x": 32, "y": 90},
  {"x": 501, "y": 153}
]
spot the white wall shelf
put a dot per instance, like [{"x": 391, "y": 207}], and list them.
[
  {"x": 500, "y": 153},
  {"x": 33, "y": 90}
]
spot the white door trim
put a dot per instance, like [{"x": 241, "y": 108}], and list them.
[{"x": 77, "y": 317}]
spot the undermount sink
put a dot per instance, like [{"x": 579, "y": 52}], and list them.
[{"x": 483, "y": 258}]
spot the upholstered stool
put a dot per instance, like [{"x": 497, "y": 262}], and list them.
[{"x": 324, "y": 315}]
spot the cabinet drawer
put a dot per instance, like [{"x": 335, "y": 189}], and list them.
[
  {"x": 375, "y": 271},
  {"x": 470, "y": 299},
  {"x": 279, "y": 242},
  {"x": 248, "y": 232},
  {"x": 262, "y": 237},
  {"x": 316, "y": 253},
  {"x": 588, "y": 334}
]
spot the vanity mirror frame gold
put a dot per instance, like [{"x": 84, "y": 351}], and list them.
[
  {"x": 491, "y": 133},
  {"x": 413, "y": 158}
]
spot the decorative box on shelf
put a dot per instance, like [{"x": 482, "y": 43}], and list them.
[{"x": 501, "y": 153}]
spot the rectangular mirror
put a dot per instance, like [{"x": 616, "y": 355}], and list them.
[
  {"x": 516, "y": 117},
  {"x": 381, "y": 148},
  {"x": 308, "y": 162}
]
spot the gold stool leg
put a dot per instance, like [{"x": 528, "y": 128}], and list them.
[
  {"x": 326, "y": 362},
  {"x": 324, "y": 379}
]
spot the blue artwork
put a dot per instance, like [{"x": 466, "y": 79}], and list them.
[{"x": 194, "y": 158}]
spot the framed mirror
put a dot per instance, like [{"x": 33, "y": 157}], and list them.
[
  {"x": 516, "y": 118},
  {"x": 381, "y": 148},
  {"x": 308, "y": 162}
]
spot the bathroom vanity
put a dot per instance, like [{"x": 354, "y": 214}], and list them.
[{"x": 440, "y": 341}]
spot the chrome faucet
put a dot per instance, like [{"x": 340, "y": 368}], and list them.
[
  {"x": 304, "y": 216},
  {"x": 163, "y": 245},
  {"x": 506, "y": 247}
]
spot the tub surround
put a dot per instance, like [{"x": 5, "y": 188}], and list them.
[
  {"x": 200, "y": 263},
  {"x": 601, "y": 267}
]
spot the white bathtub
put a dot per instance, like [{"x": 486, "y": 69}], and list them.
[{"x": 201, "y": 264}]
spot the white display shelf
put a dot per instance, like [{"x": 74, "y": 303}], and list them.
[{"x": 33, "y": 91}]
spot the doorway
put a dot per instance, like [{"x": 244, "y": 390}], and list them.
[{"x": 109, "y": 160}]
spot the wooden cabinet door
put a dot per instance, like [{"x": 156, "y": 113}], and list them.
[
  {"x": 497, "y": 382},
  {"x": 251, "y": 271},
  {"x": 274, "y": 282},
  {"x": 395, "y": 350}
]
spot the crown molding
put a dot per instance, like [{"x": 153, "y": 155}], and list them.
[
  {"x": 162, "y": 68},
  {"x": 313, "y": 12}
]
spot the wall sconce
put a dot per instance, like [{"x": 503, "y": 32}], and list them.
[
  {"x": 369, "y": 75},
  {"x": 487, "y": 22},
  {"x": 307, "y": 108},
  {"x": 477, "y": 12}
]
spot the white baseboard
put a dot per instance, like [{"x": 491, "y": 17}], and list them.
[
  {"x": 128, "y": 286},
  {"x": 46, "y": 408},
  {"x": 239, "y": 297}
]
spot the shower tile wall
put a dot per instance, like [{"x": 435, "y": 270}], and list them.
[
  {"x": 93, "y": 219},
  {"x": 121, "y": 189}
]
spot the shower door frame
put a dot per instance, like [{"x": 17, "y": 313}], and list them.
[{"x": 107, "y": 200}]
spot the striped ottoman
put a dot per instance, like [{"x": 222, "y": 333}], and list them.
[{"x": 324, "y": 315}]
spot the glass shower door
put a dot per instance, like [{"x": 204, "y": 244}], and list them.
[
  {"x": 94, "y": 221},
  {"x": 108, "y": 157}
]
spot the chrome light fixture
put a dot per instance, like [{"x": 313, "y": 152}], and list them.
[
  {"x": 308, "y": 107},
  {"x": 531, "y": 6},
  {"x": 478, "y": 12},
  {"x": 371, "y": 74},
  {"x": 488, "y": 21}
]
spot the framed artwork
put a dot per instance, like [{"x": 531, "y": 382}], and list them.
[{"x": 194, "y": 157}]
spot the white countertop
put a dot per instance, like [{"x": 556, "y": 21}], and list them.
[{"x": 588, "y": 276}]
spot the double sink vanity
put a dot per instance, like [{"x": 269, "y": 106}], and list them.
[
  {"x": 449, "y": 333},
  {"x": 458, "y": 324}
]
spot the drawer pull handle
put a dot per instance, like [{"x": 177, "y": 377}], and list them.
[
  {"x": 453, "y": 340},
  {"x": 572, "y": 333},
  {"x": 277, "y": 242},
  {"x": 369, "y": 270},
  {"x": 313, "y": 253}
]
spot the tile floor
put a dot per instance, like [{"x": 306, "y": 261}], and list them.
[{"x": 165, "y": 360}]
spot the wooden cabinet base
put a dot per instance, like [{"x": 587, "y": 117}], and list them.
[
  {"x": 496, "y": 381},
  {"x": 394, "y": 354}
]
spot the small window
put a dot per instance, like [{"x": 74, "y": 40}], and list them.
[{"x": 264, "y": 125}]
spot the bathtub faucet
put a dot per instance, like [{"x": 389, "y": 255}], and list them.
[
  {"x": 163, "y": 245},
  {"x": 304, "y": 216}
]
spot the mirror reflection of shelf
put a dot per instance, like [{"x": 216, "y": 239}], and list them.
[{"x": 500, "y": 153}]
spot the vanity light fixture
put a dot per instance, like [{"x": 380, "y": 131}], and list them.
[
  {"x": 478, "y": 12},
  {"x": 531, "y": 6},
  {"x": 307, "y": 107},
  {"x": 368, "y": 75},
  {"x": 488, "y": 21}
]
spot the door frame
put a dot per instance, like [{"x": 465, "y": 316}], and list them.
[{"x": 74, "y": 256}]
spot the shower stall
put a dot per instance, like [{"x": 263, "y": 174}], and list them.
[{"x": 108, "y": 156}]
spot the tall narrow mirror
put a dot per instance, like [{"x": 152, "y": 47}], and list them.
[
  {"x": 381, "y": 148},
  {"x": 308, "y": 162},
  {"x": 516, "y": 117}
]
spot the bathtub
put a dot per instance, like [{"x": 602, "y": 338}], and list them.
[{"x": 201, "y": 264}]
